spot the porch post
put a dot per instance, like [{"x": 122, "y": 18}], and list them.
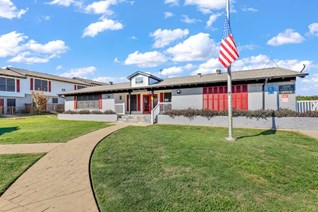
[
  {"x": 129, "y": 102},
  {"x": 152, "y": 99}
]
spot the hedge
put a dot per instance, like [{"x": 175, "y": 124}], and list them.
[
  {"x": 89, "y": 112},
  {"x": 259, "y": 114}
]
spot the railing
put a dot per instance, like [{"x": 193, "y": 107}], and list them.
[
  {"x": 303, "y": 106},
  {"x": 160, "y": 108},
  {"x": 120, "y": 108},
  {"x": 29, "y": 109}
]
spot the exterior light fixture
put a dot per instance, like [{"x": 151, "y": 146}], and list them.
[{"x": 178, "y": 91}]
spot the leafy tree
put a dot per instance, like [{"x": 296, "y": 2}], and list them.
[{"x": 39, "y": 100}]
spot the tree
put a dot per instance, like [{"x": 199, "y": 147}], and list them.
[{"x": 39, "y": 101}]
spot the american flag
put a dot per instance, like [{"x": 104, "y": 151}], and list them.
[{"x": 228, "y": 50}]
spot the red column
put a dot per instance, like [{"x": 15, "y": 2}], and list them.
[
  {"x": 75, "y": 103},
  {"x": 100, "y": 101},
  {"x": 31, "y": 84}
]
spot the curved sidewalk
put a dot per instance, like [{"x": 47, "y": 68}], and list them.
[{"x": 60, "y": 180}]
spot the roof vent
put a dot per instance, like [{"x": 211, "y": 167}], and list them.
[
  {"x": 218, "y": 71},
  {"x": 111, "y": 83},
  {"x": 199, "y": 74}
]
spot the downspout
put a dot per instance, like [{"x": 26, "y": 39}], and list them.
[{"x": 263, "y": 89}]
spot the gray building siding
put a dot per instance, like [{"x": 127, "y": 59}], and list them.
[{"x": 187, "y": 98}]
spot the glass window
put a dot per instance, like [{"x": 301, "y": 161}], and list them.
[
  {"x": 10, "y": 102},
  {"x": 139, "y": 80},
  {"x": 40, "y": 85},
  {"x": 55, "y": 100},
  {"x": 3, "y": 86},
  {"x": 44, "y": 85},
  {"x": 7, "y": 84},
  {"x": 87, "y": 102},
  {"x": 167, "y": 97},
  {"x": 80, "y": 87},
  {"x": 10, "y": 85}
]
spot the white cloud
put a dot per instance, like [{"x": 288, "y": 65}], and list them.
[
  {"x": 105, "y": 24},
  {"x": 247, "y": 47},
  {"x": 27, "y": 58},
  {"x": 67, "y": 3},
  {"x": 101, "y": 7},
  {"x": 188, "y": 20},
  {"x": 172, "y": 71},
  {"x": 253, "y": 62},
  {"x": 116, "y": 60},
  {"x": 147, "y": 59},
  {"x": 168, "y": 14},
  {"x": 212, "y": 19},
  {"x": 9, "y": 43},
  {"x": 172, "y": 2},
  {"x": 249, "y": 9},
  {"x": 206, "y": 6},
  {"x": 59, "y": 67},
  {"x": 208, "y": 67},
  {"x": 289, "y": 36},
  {"x": 313, "y": 29},
  {"x": 14, "y": 45},
  {"x": 79, "y": 72},
  {"x": 9, "y": 10},
  {"x": 111, "y": 79},
  {"x": 195, "y": 48},
  {"x": 165, "y": 37},
  {"x": 310, "y": 84}
]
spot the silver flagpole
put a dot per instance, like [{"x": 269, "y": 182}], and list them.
[{"x": 229, "y": 88}]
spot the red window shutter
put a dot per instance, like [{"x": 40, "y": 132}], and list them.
[
  {"x": 49, "y": 86},
  {"x": 75, "y": 103},
  {"x": 138, "y": 102},
  {"x": 127, "y": 102},
  {"x": 74, "y": 87},
  {"x": 18, "y": 85},
  {"x": 162, "y": 97},
  {"x": 31, "y": 84},
  {"x": 205, "y": 104},
  {"x": 100, "y": 101}
]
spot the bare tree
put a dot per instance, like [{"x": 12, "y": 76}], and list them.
[{"x": 39, "y": 100}]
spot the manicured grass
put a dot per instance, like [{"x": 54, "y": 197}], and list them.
[
  {"x": 44, "y": 129},
  {"x": 12, "y": 166},
  {"x": 182, "y": 168}
]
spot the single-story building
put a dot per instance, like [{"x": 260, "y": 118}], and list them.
[{"x": 268, "y": 88}]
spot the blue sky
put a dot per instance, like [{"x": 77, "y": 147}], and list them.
[{"x": 110, "y": 39}]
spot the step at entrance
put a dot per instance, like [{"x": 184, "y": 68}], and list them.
[{"x": 135, "y": 118}]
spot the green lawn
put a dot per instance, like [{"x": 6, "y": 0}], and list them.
[
  {"x": 182, "y": 168},
  {"x": 12, "y": 166},
  {"x": 43, "y": 129}
]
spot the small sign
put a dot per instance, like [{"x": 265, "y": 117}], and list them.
[
  {"x": 285, "y": 98},
  {"x": 271, "y": 89},
  {"x": 286, "y": 89}
]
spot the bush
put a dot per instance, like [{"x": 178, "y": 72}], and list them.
[
  {"x": 259, "y": 114},
  {"x": 109, "y": 112},
  {"x": 89, "y": 112}
]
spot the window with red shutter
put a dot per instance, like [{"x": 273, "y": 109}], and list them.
[
  {"x": 49, "y": 86},
  {"x": 31, "y": 84},
  {"x": 18, "y": 85}
]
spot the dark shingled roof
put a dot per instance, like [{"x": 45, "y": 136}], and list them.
[
  {"x": 256, "y": 74},
  {"x": 24, "y": 73}
]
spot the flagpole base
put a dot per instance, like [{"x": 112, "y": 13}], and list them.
[{"x": 230, "y": 139}]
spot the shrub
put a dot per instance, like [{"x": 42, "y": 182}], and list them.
[
  {"x": 259, "y": 114},
  {"x": 89, "y": 112},
  {"x": 109, "y": 112}
]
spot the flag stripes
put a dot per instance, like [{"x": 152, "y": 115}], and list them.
[{"x": 228, "y": 50}]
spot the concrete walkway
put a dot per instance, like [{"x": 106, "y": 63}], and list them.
[
  {"x": 28, "y": 148},
  {"x": 60, "y": 180}
]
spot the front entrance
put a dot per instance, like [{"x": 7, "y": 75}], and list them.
[
  {"x": 147, "y": 103},
  {"x": 1, "y": 106}
]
